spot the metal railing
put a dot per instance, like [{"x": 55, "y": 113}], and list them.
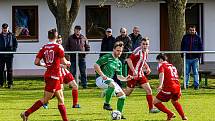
[{"x": 98, "y": 52}]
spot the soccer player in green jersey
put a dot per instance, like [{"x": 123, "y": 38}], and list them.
[{"x": 106, "y": 67}]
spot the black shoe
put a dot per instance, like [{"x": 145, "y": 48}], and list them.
[
  {"x": 84, "y": 87},
  {"x": 9, "y": 86},
  {"x": 122, "y": 117},
  {"x": 196, "y": 88},
  {"x": 107, "y": 107}
]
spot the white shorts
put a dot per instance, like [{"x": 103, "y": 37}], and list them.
[{"x": 101, "y": 84}]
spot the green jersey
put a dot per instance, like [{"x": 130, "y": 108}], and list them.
[{"x": 110, "y": 65}]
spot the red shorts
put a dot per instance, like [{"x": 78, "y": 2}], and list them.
[
  {"x": 52, "y": 85},
  {"x": 166, "y": 96},
  {"x": 132, "y": 83},
  {"x": 68, "y": 78}
]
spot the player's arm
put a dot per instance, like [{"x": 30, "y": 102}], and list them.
[
  {"x": 122, "y": 78},
  {"x": 39, "y": 63},
  {"x": 99, "y": 71},
  {"x": 65, "y": 62},
  {"x": 161, "y": 79},
  {"x": 131, "y": 66},
  {"x": 148, "y": 70}
]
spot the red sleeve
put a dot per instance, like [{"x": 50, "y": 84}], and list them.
[
  {"x": 40, "y": 54},
  {"x": 161, "y": 69},
  {"x": 132, "y": 56}
]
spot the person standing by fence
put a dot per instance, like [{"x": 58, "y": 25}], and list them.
[
  {"x": 8, "y": 43},
  {"x": 77, "y": 42},
  {"x": 192, "y": 42}
]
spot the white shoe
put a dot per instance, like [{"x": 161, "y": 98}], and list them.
[{"x": 24, "y": 118}]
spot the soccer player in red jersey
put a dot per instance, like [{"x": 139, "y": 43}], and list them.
[
  {"x": 52, "y": 55},
  {"x": 137, "y": 64},
  {"x": 169, "y": 88},
  {"x": 67, "y": 78}
]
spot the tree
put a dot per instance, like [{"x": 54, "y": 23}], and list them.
[{"x": 64, "y": 16}]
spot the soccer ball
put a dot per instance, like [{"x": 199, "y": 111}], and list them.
[{"x": 116, "y": 115}]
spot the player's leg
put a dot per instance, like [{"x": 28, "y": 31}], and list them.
[
  {"x": 74, "y": 86},
  {"x": 188, "y": 70},
  {"x": 36, "y": 105},
  {"x": 163, "y": 97},
  {"x": 177, "y": 105},
  {"x": 128, "y": 91},
  {"x": 149, "y": 97},
  {"x": 130, "y": 87},
  {"x": 61, "y": 107},
  {"x": 121, "y": 97},
  {"x": 104, "y": 84}
]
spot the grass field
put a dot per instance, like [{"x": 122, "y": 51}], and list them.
[{"x": 198, "y": 104}]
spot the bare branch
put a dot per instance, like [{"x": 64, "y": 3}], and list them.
[
  {"x": 52, "y": 6},
  {"x": 73, "y": 12}
]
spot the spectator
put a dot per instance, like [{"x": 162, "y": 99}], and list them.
[
  {"x": 136, "y": 37},
  {"x": 192, "y": 42},
  {"x": 107, "y": 42},
  {"x": 127, "y": 48},
  {"x": 77, "y": 42},
  {"x": 8, "y": 43}
]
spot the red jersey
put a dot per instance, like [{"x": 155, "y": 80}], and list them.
[
  {"x": 171, "y": 81},
  {"x": 139, "y": 58},
  {"x": 51, "y": 54},
  {"x": 64, "y": 71}
]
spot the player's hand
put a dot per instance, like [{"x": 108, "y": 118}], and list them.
[
  {"x": 135, "y": 74},
  {"x": 159, "y": 88},
  {"x": 148, "y": 71},
  {"x": 68, "y": 64},
  {"x": 129, "y": 77},
  {"x": 104, "y": 77}
]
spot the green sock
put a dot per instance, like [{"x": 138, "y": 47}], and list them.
[
  {"x": 120, "y": 104},
  {"x": 108, "y": 95}
]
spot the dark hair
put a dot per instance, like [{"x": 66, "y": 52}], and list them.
[
  {"x": 161, "y": 56},
  {"x": 118, "y": 43},
  {"x": 52, "y": 34},
  {"x": 78, "y": 27},
  {"x": 4, "y": 25},
  {"x": 59, "y": 36},
  {"x": 192, "y": 26},
  {"x": 145, "y": 39}
]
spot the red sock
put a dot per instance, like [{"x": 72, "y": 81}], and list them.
[
  {"x": 62, "y": 110},
  {"x": 75, "y": 96},
  {"x": 33, "y": 108},
  {"x": 150, "y": 101},
  {"x": 179, "y": 109},
  {"x": 162, "y": 108}
]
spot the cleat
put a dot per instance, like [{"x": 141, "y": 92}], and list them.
[
  {"x": 45, "y": 106},
  {"x": 24, "y": 118},
  {"x": 184, "y": 118},
  {"x": 170, "y": 116},
  {"x": 76, "y": 106},
  {"x": 107, "y": 107},
  {"x": 154, "y": 110},
  {"x": 122, "y": 117}
]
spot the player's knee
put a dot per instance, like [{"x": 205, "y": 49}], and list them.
[
  {"x": 112, "y": 84},
  {"x": 174, "y": 101},
  {"x": 123, "y": 96},
  {"x": 75, "y": 88},
  {"x": 148, "y": 91}
]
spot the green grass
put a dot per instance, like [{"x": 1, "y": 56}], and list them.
[{"x": 198, "y": 105}]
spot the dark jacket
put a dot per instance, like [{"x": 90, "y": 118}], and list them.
[
  {"x": 10, "y": 44},
  {"x": 107, "y": 44},
  {"x": 136, "y": 40},
  {"x": 192, "y": 43},
  {"x": 77, "y": 44},
  {"x": 127, "y": 46}
]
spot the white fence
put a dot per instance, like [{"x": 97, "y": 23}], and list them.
[{"x": 98, "y": 52}]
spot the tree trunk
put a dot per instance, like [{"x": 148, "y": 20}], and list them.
[
  {"x": 176, "y": 17},
  {"x": 64, "y": 17}
]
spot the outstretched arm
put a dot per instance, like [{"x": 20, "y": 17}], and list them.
[{"x": 161, "y": 79}]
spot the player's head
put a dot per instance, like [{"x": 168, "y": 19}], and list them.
[
  {"x": 118, "y": 48},
  {"x": 161, "y": 57},
  {"x": 52, "y": 34},
  {"x": 192, "y": 29},
  {"x": 145, "y": 43},
  {"x": 59, "y": 39}
]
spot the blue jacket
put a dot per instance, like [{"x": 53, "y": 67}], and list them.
[{"x": 192, "y": 43}]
